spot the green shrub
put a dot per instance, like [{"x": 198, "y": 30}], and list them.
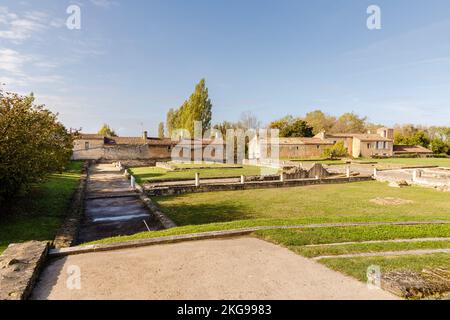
[
  {"x": 32, "y": 143},
  {"x": 336, "y": 151}
]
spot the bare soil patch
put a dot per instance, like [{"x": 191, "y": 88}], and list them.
[{"x": 389, "y": 201}]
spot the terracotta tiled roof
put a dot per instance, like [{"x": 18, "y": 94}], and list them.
[
  {"x": 360, "y": 136},
  {"x": 399, "y": 149},
  {"x": 89, "y": 136},
  {"x": 371, "y": 137},
  {"x": 137, "y": 141},
  {"x": 300, "y": 141}
]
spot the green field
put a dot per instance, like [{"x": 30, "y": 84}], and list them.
[
  {"x": 323, "y": 203},
  {"x": 39, "y": 214},
  {"x": 441, "y": 162},
  {"x": 154, "y": 173}
]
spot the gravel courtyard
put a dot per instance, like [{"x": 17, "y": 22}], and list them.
[{"x": 238, "y": 268}]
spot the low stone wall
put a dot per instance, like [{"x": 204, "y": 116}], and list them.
[
  {"x": 68, "y": 232},
  {"x": 20, "y": 266},
  {"x": 182, "y": 189}
]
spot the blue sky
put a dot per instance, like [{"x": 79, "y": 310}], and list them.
[{"x": 132, "y": 60}]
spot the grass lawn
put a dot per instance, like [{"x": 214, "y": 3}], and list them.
[
  {"x": 321, "y": 203},
  {"x": 442, "y": 162},
  {"x": 298, "y": 240},
  {"x": 154, "y": 173},
  {"x": 39, "y": 214},
  {"x": 357, "y": 267}
]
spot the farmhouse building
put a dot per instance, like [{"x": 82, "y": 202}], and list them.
[
  {"x": 289, "y": 148},
  {"x": 96, "y": 147},
  {"x": 379, "y": 144},
  {"x": 358, "y": 145},
  {"x": 411, "y": 151},
  {"x": 99, "y": 147}
]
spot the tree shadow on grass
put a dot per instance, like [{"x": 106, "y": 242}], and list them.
[{"x": 186, "y": 214}]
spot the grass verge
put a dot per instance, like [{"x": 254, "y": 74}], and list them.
[{"x": 39, "y": 214}]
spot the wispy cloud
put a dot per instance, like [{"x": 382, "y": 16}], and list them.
[
  {"x": 104, "y": 3},
  {"x": 18, "y": 28}
]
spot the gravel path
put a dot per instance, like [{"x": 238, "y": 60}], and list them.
[{"x": 237, "y": 268}]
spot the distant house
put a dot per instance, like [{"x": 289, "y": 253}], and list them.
[
  {"x": 380, "y": 144},
  {"x": 96, "y": 147},
  {"x": 416, "y": 151},
  {"x": 358, "y": 145},
  {"x": 289, "y": 148}
]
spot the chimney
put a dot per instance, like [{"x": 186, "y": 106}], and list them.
[{"x": 144, "y": 136}]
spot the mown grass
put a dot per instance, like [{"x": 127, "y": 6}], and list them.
[
  {"x": 357, "y": 267},
  {"x": 300, "y": 237},
  {"x": 311, "y": 252},
  {"x": 297, "y": 237},
  {"x": 153, "y": 173},
  {"x": 38, "y": 214},
  {"x": 339, "y": 202},
  {"x": 442, "y": 162}
]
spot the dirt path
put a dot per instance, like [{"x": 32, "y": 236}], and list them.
[
  {"x": 238, "y": 268},
  {"x": 112, "y": 208}
]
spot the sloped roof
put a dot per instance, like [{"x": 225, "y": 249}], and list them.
[
  {"x": 399, "y": 149},
  {"x": 89, "y": 136},
  {"x": 360, "y": 136},
  {"x": 137, "y": 141},
  {"x": 299, "y": 141},
  {"x": 371, "y": 137}
]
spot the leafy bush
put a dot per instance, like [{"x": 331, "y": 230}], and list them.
[
  {"x": 32, "y": 143},
  {"x": 337, "y": 150}
]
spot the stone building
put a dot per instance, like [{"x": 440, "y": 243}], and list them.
[
  {"x": 365, "y": 145},
  {"x": 289, "y": 148},
  {"x": 98, "y": 147},
  {"x": 358, "y": 145}
]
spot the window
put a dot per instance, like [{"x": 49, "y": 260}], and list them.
[
  {"x": 86, "y": 145},
  {"x": 368, "y": 146},
  {"x": 169, "y": 148}
]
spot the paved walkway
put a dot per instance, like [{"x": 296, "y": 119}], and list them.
[
  {"x": 237, "y": 268},
  {"x": 112, "y": 208}
]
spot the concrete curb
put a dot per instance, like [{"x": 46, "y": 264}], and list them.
[{"x": 216, "y": 234}]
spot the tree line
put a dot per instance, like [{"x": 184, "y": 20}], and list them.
[{"x": 199, "y": 108}]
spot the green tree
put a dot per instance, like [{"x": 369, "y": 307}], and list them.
[
  {"x": 161, "y": 130},
  {"x": 319, "y": 121},
  {"x": 106, "y": 131},
  {"x": 438, "y": 146},
  {"x": 420, "y": 138},
  {"x": 350, "y": 123},
  {"x": 33, "y": 144},
  {"x": 298, "y": 128},
  {"x": 282, "y": 123},
  {"x": 197, "y": 108}
]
